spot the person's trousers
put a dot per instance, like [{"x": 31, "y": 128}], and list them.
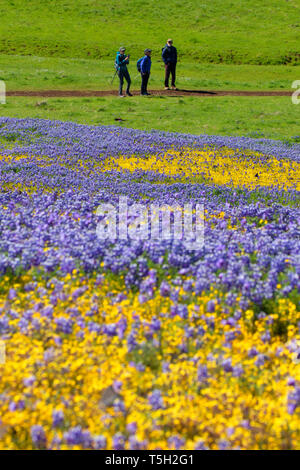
[
  {"x": 145, "y": 79},
  {"x": 124, "y": 74},
  {"x": 170, "y": 69}
]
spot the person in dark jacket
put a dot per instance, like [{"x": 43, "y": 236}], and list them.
[
  {"x": 169, "y": 56},
  {"x": 121, "y": 63},
  {"x": 145, "y": 71}
]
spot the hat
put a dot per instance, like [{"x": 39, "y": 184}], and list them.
[
  {"x": 122, "y": 49},
  {"x": 147, "y": 50},
  {"x": 170, "y": 40}
]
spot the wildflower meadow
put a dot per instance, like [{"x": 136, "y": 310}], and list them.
[{"x": 144, "y": 343}]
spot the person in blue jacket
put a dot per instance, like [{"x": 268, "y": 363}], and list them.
[
  {"x": 145, "y": 71},
  {"x": 121, "y": 64},
  {"x": 169, "y": 56}
]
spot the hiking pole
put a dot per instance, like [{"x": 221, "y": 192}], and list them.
[{"x": 114, "y": 76}]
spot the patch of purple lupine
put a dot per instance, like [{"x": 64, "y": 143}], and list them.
[{"x": 64, "y": 221}]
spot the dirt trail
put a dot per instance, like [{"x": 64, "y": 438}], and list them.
[{"x": 95, "y": 93}]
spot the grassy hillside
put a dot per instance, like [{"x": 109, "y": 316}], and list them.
[
  {"x": 68, "y": 44},
  {"x": 228, "y": 31}
]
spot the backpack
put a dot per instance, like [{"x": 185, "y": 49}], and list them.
[
  {"x": 138, "y": 64},
  {"x": 116, "y": 63}
]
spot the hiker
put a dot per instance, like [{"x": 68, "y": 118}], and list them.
[
  {"x": 121, "y": 66},
  {"x": 145, "y": 67},
  {"x": 169, "y": 56}
]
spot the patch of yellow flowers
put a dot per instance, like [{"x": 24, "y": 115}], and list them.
[
  {"x": 212, "y": 393},
  {"x": 216, "y": 166}
]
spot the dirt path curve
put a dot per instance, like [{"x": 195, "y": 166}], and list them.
[{"x": 170, "y": 93}]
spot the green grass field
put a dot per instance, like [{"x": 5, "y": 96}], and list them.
[
  {"x": 37, "y": 73},
  {"x": 228, "y": 44},
  {"x": 274, "y": 117},
  {"x": 218, "y": 31}
]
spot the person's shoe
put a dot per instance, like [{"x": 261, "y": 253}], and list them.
[
  {"x": 174, "y": 88},
  {"x": 121, "y": 96},
  {"x": 128, "y": 93},
  {"x": 167, "y": 88}
]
